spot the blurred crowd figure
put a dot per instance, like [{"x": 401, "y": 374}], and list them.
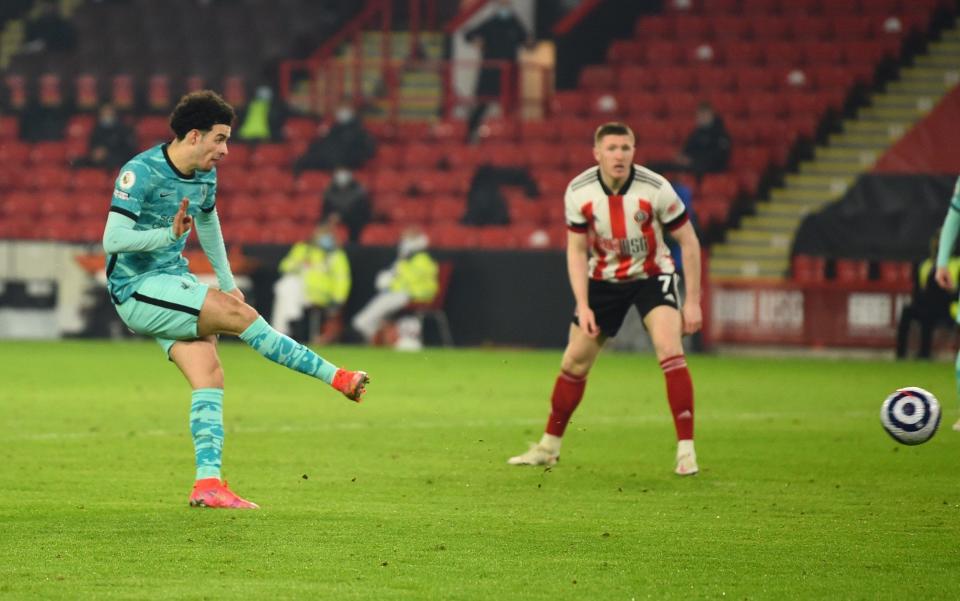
[
  {"x": 112, "y": 142},
  {"x": 930, "y": 305},
  {"x": 346, "y": 143},
  {"x": 48, "y": 30},
  {"x": 346, "y": 201},
  {"x": 314, "y": 284},
  {"x": 262, "y": 119},
  {"x": 413, "y": 277},
  {"x": 706, "y": 148},
  {"x": 499, "y": 36}
]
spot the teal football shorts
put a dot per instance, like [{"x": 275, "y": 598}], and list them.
[{"x": 166, "y": 307}]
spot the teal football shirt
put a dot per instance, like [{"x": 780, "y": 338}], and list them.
[{"x": 149, "y": 190}]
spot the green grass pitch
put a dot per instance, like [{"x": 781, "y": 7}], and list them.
[{"x": 407, "y": 496}]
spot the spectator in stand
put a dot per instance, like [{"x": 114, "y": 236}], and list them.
[
  {"x": 44, "y": 118},
  {"x": 707, "y": 148},
  {"x": 111, "y": 143},
  {"x": 500, "y": 37},
  {"x": 930, "y": 305},
  {"x": 262, "y": 120},
  {"x": 49, "y": 30},
  {"x": 413, "y": 277},
  {"x": 346, "y": 201},
  {"x": 346, "y": 143},
  {"x": 315, "y": 276}
]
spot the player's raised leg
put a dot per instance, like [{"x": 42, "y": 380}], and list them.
[
  {"x": 578, "y": 358},
  {"x": 664, "y": 325},
  {"x": 200, "y": 365},
  {"x": 225, "y": 314}
]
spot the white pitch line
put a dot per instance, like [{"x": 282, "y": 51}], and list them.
[{"x": 602, "y": 420}]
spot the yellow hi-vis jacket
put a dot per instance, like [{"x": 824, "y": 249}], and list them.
[
  {"x": 416, "y": 276},
  {"x": 326, "y": 275}
]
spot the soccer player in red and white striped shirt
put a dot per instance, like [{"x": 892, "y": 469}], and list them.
[{"x": 619, "y": 211}]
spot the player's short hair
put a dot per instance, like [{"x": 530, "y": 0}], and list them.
[
  {"x": 612, "y": 128},
  {"x": 200, "y": 110}
]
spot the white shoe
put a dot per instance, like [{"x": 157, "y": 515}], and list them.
[
  {"x": 537, "y": 455},
  {"x": 956, "y": 426},
  {"x": 686, "y": 461}
]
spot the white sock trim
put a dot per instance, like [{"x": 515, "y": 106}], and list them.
[{"x": 551, "y": 443}]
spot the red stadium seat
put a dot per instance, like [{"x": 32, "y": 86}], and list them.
[
  {"x": 49, "y": 179},
  {"x": 270, "y": 155},
  {"x": 496, "y": 237},
  {"x": 273, "y": 179},
  {"x": 49, "y": 154},
  {"x": 86, "y": 92},
  {"x": 525, "y": 209},
  {"x": 674, "y": 80},
  {"x": 896, "y": 272},
  {"x": 851, "y": 270},
  {"x": 92, "y": 180},
  {"x": 808, "y": 269},
  {"x": 769, "y": 27},
  {"x": 312, "y": 182},
  {"x": 781, "y": 54},
  {"x": 380, "y": 234},
  {"x": 730, "y": 28},
  {"x": 159, "y": 94},
  {"x": 411, "y": 211},
  {"x": 725, "y": 185},
  {"x": 453, "y": 236},
  {"x": 598, "y": 77},
  {"x": 664, "y": 54},
  {"x": 235, "y": 90},
  {"x": 422, "y": 156},
  {"x": 625, "y": 52},
  {"x": 153, "y": 130},
  {"x": 741, "y": 54},
  {"x": 300, "y": 128},
  {"x": 9, "y": 128},
  {"x": 569, "y": 103},
  {"x": 714, "y": 79},
  {"x": 755, "y": 79},
  {"x": 538, "y": 131},
  {"x": 14, "y": 154},
  {"x": 655, "y": 27},
  {"x": 123, "y": 92},
  {"x": 92, "y": 205},
  {"x": 447, "y": 209},
  {"x": 805, "y": 27}
]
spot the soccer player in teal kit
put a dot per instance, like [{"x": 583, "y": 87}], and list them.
[
  {"x": 948, "y": 239},
  {"x": 159, "y": 195}
]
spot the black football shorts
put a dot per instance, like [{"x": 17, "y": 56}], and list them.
[{"x": 610, "y": 301}]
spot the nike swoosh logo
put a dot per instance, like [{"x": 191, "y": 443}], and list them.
[{"x": 164, "y": 195}]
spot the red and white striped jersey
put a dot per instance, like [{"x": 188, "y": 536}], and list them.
[{"x": 625, "y": 228}]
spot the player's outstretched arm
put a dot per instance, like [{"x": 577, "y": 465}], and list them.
[
  {"x": 577, "y": 271},
  {"x": 690, "y": 250},
  {"x": 120, "y": 236},
  {"x": 211, "y": 240}
]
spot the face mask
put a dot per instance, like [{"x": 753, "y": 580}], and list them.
[
  {"x": 264, "y": 93},
  {"x": 503, "y": 13},
  {"x": 343, "y": 115},
  {"x": 342, "y": 178},
  {"x": 326, "y": 242}
]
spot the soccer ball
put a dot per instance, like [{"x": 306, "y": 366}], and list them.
[{"x": 910, "y": 415}]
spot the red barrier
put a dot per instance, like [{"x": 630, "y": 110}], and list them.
[{"x": 829, "y": 314}]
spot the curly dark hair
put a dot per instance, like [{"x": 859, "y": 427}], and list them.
[
  {"x": 200, "y": 110},
  {"x": 612, "y": 128}
]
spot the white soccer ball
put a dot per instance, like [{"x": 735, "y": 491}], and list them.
[{"x": 910, "y": 415}]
